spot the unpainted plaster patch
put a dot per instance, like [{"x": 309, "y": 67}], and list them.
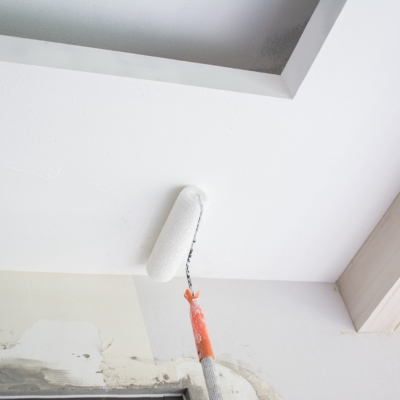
[
  {"x": 58, "y": 355},
  {"x": 263, "y": 390},
  {"x": 236, "y": 383},
  {"x": 233, "y": 386},
  {"x": 22, "y": 375},
  {"x": 29, "y": 375}
]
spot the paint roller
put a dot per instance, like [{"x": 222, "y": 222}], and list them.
[{"x": 175, "y": 245}]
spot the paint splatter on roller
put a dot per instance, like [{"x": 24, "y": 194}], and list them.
[{"x": 173, "y": 246}]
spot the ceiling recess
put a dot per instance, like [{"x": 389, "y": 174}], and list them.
[{"x": 249, "y": 35}]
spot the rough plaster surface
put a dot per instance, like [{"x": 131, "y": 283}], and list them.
[
  {"x": 253, "y": 35},
  {"x": 72, "y": 348},
  {"x": 69, "y": 333}
]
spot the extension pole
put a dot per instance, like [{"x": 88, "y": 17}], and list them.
[{"x": 203, "y": 345}]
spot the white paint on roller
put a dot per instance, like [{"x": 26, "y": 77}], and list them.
[{"x": 173, "y": 244}]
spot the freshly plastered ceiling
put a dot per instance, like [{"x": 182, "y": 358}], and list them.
[
  {"x": 251, "y": 35},
  {"x": 91, "y": 164}
]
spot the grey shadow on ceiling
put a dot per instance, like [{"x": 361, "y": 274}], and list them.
[{"x": 250, "y": 35}]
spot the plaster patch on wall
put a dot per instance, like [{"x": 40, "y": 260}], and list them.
[
  {"x": 29, "y": 375},
  {"x": 59, "y": 355},
  {"x": 236, "y": 383},
  {"x": 26, "y": 375},
  {"x": 57, "y": 352},
  {"x": 232, "y": 384},
  {"x": 263, "y": 390}
]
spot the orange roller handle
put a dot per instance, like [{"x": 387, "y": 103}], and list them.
[{"x": 200, "y": 332}]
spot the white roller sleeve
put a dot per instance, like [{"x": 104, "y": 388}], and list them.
[{"x": 173, "y": 244}]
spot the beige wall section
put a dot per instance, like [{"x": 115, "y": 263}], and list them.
[
  {"x": 108, "y": 302},
  {"x": 370, "y": 285},
  {"x": 71, "y": 332}
]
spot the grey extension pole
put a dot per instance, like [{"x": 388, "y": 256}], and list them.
[{"x": 211, "y": 378}]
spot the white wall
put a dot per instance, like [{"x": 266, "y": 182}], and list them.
[{"x": 297, "y": 337}]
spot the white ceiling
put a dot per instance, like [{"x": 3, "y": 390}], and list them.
[
  {"x": 252, "y": 34},
  {"x": 91, "y": 164}
]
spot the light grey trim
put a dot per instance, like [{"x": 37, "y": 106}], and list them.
[{"x": 86, "y": 59}]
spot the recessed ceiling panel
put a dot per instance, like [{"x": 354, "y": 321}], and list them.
[{"x": 251, "y": 35}]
